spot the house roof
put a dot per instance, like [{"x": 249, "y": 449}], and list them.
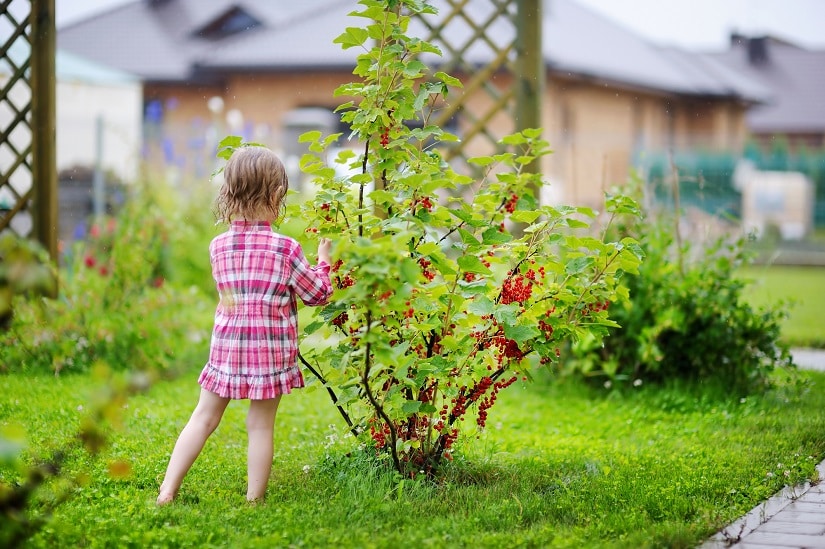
[
  {"x": 795, "y": 76},
  {"x": 71, "y": 68},
  {"x": 160, "y": 40}
]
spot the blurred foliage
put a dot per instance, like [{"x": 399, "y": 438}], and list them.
[
  {"x": 122, "y": 300},
  {"x": 132, "y": 307},
  {"x": 44, "y": 483},
  {"x": 687, "y": 318},
  {"x": 25, "y": 270}
]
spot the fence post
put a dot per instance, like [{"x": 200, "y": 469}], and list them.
[
  {"x": 531, "y": 74},
  {"x": 43, "y": 83}
]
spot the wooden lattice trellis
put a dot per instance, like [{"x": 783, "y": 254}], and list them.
[
  {"x": 495, "y": 46},
  {"x": 28, "y": 177}
]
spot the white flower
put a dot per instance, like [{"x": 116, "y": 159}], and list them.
[
  {"x": 306, "y": 468},
  {"x": 637, "y": 383},
  {"x": 79, "y": 407},
  {"x": 608, "y": 384},
  {"x": 769, "y": 475}
]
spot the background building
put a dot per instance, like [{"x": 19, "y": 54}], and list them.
[{"x": 212, "y": 67}]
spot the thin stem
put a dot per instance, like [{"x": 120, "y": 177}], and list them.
[
  {"x": 365, "y": 380},
  {"x": 332, "y": 394}
]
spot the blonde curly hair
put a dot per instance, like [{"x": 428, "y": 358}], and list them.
[{"x": 254, "y": 186}]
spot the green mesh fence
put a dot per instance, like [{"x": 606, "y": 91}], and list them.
[{"x": 706, "y": 179}]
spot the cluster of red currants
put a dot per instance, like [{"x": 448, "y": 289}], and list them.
[
  {"x": 510, "y": 205},
  {"x": 344, "y": 281},
  {"x": 379, "y": 435},
  {"x": 326, "y": 209},
  {"x": 516, "y": 289},
  {"x": 595, "y": 307},
  {"x": 425, "y": 264},
  {"x": 488, "y": 401},
  {"x": 423, "y": 202},
  {"x": 508, "y": 348}
]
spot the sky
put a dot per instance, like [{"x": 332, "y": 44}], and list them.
[{"x": 701, "y": 25}]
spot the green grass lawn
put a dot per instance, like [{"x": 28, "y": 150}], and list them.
[
  {"x": 803, "y": 288},
  {"x": 560, "y": 465}
]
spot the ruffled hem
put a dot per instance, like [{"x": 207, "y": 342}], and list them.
[{"x": 252, "y": 387}]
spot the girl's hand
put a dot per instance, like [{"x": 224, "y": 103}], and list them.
[{"x": 324, "y": 247}]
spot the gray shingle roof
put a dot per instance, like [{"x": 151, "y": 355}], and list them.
[
  {"x": 796, "y": 78},
  {"x": 159, "y": 43},
  {"x": 582, "y": 42}
]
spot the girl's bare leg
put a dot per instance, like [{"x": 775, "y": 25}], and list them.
[
  {"x": 260, "y": 422},
  {"x": 205, "y": 419}
]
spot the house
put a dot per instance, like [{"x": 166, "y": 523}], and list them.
[
  {"x": 268, "y": 69},
  {"x": 99, "y": 112},
  {"x": 795, "y": 77}
]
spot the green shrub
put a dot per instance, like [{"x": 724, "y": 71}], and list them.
[
  {"x": 686, "y": 318},
  {"x": 449, "y": 288},
  {"x": 115, "y": 304}
]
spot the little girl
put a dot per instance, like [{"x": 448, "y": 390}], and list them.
[{"x": 254, "y": 345}]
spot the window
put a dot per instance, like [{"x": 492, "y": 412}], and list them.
[{"x": 232, "y": 21}]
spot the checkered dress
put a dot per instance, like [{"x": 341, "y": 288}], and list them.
[{"x": 254, "y": 345}]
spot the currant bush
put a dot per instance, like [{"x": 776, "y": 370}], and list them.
[{"x": 449, "y": 287}]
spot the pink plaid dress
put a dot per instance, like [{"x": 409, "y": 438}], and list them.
[{"x": 254, "y": 345}]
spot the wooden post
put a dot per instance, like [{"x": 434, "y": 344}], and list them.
[
  {"x": 43, "y": 83},
  {"x": 531, "y": 74}
]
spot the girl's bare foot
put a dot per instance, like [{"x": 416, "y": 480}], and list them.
[{"x": 165, "y": 498}]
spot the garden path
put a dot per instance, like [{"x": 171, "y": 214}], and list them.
[{"x": 793, "y": 518}]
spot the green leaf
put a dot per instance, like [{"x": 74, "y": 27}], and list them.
[
  {"x": 524, "y": 216},
  {"x": 507, "y": 315},
  {"x": 313, "y": 327},
  {"x": 468, "y": 238},
  {"x": 381, "y": 196},
  {"x": 481, "y": 160},
  {"x": 578, "y": 265},
  {"x": 449, "y": 80},
  {"x": 427, "y": 248},
  {"x": 352, "y": 36},
  {"x": 411, "y": 406},
  {"x": 493, "y": 236},
  {"x": 520, "y": 334},
  {"x": 230, "y": 141},
  {"x": 441, "y": 263},
  {"x": 310, "y": 136},
  {"x": 472, "y": 264},
  {"x": 481, "y": 306},
  {"x": 414, "y": 68},
  {"x": 514, "y": 139},
  {"x": 408, "y": 270},
  {"x": 228, "y": 145},
  {"x": 468, "y": 218}
]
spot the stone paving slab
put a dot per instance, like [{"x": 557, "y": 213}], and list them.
[
  {"x": 778, "y": 525},
  {"x": 785, "y": 540},
  {"x": 809, "y": 359},
  {"x": 795, "y": 517}
]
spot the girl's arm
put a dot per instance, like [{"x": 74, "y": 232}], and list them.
[{"x": 311, "y": 284}]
